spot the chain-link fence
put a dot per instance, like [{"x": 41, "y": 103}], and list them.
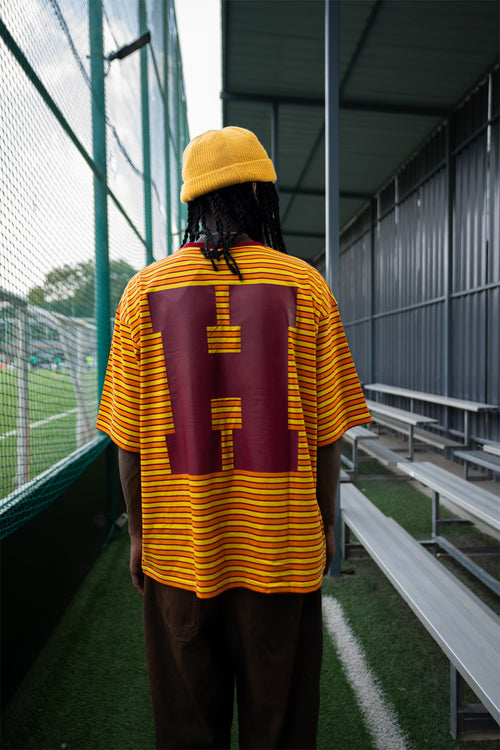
[{"x": 92, "y": 128}]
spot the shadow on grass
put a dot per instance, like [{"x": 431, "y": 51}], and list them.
[{"x": 88, "y": 687}]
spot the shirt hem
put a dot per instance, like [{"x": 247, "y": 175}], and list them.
[{"x": 282, "y": 588}]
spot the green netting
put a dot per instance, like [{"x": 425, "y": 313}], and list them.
[{"x": 89, "y": 189}]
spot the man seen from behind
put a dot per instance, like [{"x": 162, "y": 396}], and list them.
[{"x": 229, "y": 386}]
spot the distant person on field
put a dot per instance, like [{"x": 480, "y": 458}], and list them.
[{"x": 229, "y": 386}]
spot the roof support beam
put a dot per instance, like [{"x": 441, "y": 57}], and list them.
[
  {"x": 298, "y": 101},
  {"x": 304, "y": 171},
  {"x": 313, "y": 235},
  {"x": 360, "y": 47},
  {"x": 392, "y": 108},
  {"x": 355, "y": 195},
  {"x": 320, "y": 193}
]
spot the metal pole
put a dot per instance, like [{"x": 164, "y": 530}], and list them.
[
  {"x": 102, "y": 275},
  {"x": 23, "y": 412},
  {"x": 448, "y": 274},
  {"x": 179, "y": 130},
  {"x": 166, "y": 124},
  {"x": 332, "y": 188},
  {"x": 332, "y": 142},
  {"x": 275, "y": 141},
  {"x": 448, "y": 266},
  {"x": 146, "y": 142},
  {"x": 184, "y": 144},
  {"x": 371, "y": 333},
  {"x": 102, "y": 293}
]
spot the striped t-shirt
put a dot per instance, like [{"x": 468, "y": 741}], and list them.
[{"x": 227, "y": 388}]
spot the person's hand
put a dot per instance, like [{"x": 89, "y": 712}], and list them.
[
  {"x": 330, "y": 546},
  {"x": 136, "y": 565}
]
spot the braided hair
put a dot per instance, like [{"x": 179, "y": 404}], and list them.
[{"x": 255, "y": 213}]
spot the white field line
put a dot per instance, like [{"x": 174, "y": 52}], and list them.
[
  {"x": 380, "y": 718},
  {"x": 40, "y": 423}
]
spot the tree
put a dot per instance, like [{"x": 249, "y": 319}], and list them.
[{"x": 70, "y": 289}]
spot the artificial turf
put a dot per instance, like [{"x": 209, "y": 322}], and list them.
[{"x": 88, "y": 689}]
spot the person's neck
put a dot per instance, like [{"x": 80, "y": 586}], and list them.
[{"x": 235, "y": 236}]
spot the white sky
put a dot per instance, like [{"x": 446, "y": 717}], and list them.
[
  {"x": 199, "y": 26},
  {"x": 35, "y": 235}
]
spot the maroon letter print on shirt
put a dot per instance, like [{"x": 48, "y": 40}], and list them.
[{"x": 204, "y": 373}]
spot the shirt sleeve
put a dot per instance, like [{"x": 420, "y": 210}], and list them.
[
  {"x": 340, "y": 399},
  {"x": 119, "y": 411}
]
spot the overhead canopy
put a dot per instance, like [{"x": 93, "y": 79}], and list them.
[{"x": 404, "y": 66}]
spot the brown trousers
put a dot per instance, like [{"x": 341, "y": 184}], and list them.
[{"x": 268, "y": 645}]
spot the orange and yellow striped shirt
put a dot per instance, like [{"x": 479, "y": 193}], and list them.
[{"x": 227, "y": 388}]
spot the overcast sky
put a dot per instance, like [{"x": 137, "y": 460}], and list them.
[
  {"x": 43, "y": 169},
  {"x": 199, "y": 27}
]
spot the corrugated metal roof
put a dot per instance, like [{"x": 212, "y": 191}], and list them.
[{"x": 403, "y": 67}]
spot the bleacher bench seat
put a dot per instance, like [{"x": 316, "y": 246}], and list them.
[
  {"x": 438, "y": 440},
  {"x": 480, "y": 458},
  {"x": 380, "y": 452},
  {"x": 479, "y": 505},
  {"x": 476, "y": 501},
  {"x": 464, "y": 627},
  {"x": 354, "y": 436}
]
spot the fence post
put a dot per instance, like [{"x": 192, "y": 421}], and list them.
[
  {"x": 102, "y": 275},
  {"x": 23, "y": 415},
  {"x": 178, "y": 134},
  {"x": 102, "y": 292},
  {"x": 166, "y": 124},
  {"x": 146, "y": 142},
  {"x": 275, "y": 140}
]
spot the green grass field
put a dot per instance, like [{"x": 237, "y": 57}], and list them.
[{"x": 52, "y": 417}]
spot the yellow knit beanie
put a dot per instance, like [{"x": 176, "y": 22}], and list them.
[{"x": 219, "y": 158}]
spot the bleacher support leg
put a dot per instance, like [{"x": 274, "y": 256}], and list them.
[
  {"x": 410, "y": 443},
  {"x": 435, "y": 513},
  {"x": 335, "y": 566},
  {"x": 345, "y": 539},
  {"x": 354, "y": 474},
  {"x": 456, "y": 689},
  {"x": 468, "y": 721}
]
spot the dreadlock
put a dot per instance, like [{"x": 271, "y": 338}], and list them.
[{"x": 255, "y": 213}]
